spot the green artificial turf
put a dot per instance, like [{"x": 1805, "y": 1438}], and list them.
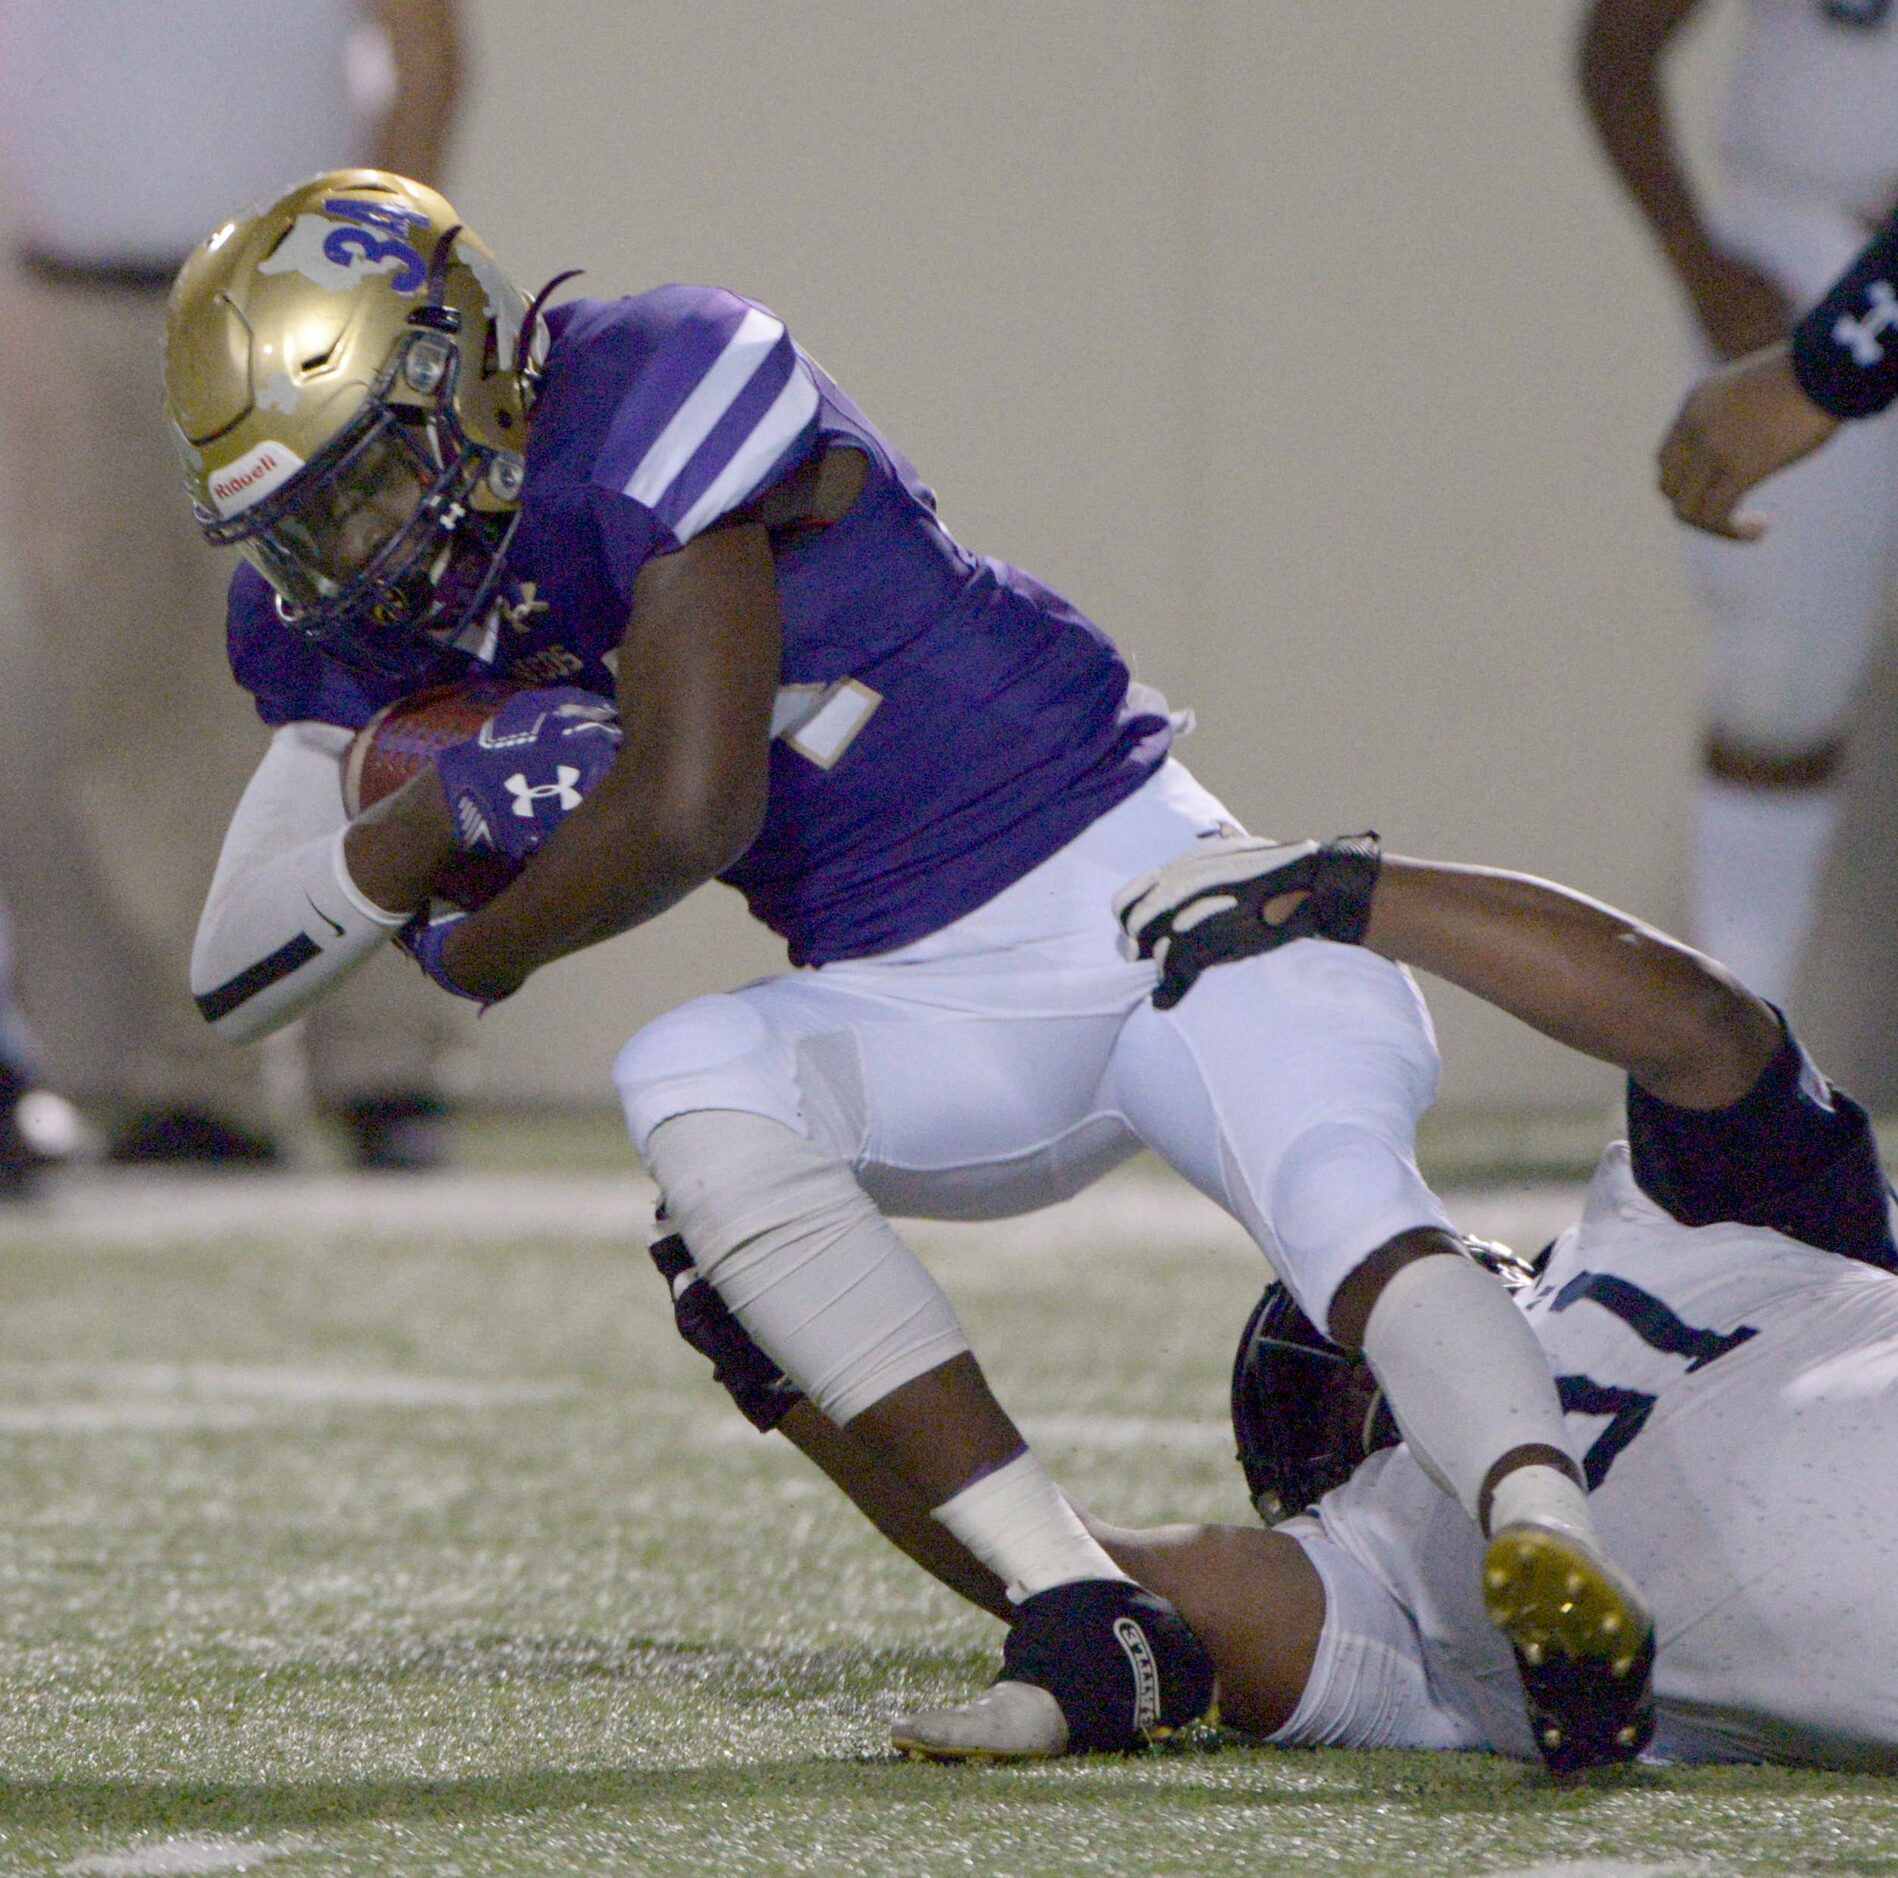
[{"x": 335, "y": 1550}]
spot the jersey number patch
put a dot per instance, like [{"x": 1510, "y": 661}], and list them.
[{"x": 1660, "y": 1329}]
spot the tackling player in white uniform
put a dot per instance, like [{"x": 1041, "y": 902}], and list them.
[
  {"x": 1809, "y": 148},
  {"x": 1722, "y": 1323}
]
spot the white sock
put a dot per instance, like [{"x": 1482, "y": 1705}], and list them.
[
  {"x": 807, "y": 1264},
  {"x": 1540, "y": 1496},
  {"x": 1757, "y": 858},
  {"x": 1466, "y": 1380},
  {"x": 1020, "y": 1525}
]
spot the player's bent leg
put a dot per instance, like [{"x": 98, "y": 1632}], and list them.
[
  {"x": 818, "y": 1279},
  {"x": 1470, "y": 1388},
  {"x": 1316, "y": 1159}
]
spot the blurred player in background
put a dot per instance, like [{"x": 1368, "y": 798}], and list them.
[
  {"x": 1723, "y": 1325},
  {"x": 924, "y": 770},
  {"x": 1809, "y": 142},
  {"x": 125, "y": 131},
  {"x": 37, "y": 1128}
]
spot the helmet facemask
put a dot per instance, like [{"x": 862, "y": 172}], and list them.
[{"x": 375, "y": 550}]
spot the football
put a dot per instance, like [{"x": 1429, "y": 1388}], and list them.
[{"x": 406, "y": 736}]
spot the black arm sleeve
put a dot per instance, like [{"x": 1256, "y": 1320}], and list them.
[
  {"x": 1845, "y": 351},
  {"x": 1793, "y": 1154}
]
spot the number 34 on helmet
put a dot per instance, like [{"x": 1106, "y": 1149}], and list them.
[{"x": 348, "y": 374}]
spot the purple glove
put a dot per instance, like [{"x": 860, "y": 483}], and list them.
[
  {"x": 423, "y": 939},
  {"x": 511, "y": 784}
]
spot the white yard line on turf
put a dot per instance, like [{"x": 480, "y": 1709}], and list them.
[
  {"x": 141, "y": 1398},
  {"x": 174, "y": 1858},
  {"x": 265, "y": 1382},
  {"x": 1107, "y": 1434},
  {"x": 121, "y": 1212},
  {"x": 1593, "y": 1868}
]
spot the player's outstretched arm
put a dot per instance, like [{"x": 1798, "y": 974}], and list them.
[
  {"x": 1252, "y": 1598},
  {"x": 1597, "y": 980}
]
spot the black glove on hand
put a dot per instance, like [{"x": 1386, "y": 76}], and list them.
[{"x": 1209, "y": 906}]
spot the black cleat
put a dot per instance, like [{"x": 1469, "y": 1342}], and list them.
[
  {"x": 1098, "y": 1666},
  {"x": 402, "y": 1133},
  {"x": 1584, "y": 1643},
  {"x": 187, "y": 1137}
]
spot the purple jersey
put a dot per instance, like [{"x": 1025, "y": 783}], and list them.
[{"x": 943, "y": 724}]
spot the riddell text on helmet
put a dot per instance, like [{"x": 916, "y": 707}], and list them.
[{"x": 262, "y": 468}]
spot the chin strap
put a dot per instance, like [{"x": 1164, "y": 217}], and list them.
[
  {"x": 434, "y": 313},
  {"x": 526, "y": 368}
]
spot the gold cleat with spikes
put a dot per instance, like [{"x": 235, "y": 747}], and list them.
[{"x": 1584, "y": 1643}]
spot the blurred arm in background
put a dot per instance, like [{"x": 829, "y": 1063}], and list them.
[
  {"x": 425, "y": 48},
  {"x": 1623, "y": 42},
  {"x": 1749, "y": 419}
]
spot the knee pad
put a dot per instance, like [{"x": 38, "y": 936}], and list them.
[
  {"x": 731, "y": 1176},
  {"x": 763, "y": 1393},
  {"x": 713, "y": 1053}
]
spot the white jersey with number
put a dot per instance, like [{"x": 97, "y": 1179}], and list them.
[
  {"x": 1735, "y": 1396},
  {"x": 1812, "y": 107}
]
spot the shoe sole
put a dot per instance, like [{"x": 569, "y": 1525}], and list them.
[
  {"x": 1158, "y": 1741},
  {"x": 1584, "y": 1643},
  {"x": 999, "y": 1757}
]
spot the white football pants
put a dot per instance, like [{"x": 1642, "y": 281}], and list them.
[{"x": 1013, "y": 1057}]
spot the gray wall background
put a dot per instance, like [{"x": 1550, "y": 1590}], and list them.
[{"x": 1305, "y": 345}]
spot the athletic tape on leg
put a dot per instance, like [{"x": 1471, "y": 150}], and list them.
[{"x": 807, "y": 1264}]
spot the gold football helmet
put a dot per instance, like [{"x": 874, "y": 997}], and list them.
[{"x": 349, "y": 373}]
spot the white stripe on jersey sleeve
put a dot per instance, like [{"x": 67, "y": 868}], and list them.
[
  {"x": 776, "y": 431},
  {"x": 711, "y": 398}
]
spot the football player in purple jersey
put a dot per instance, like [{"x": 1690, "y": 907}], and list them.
[{"x": 926, "y": 772}]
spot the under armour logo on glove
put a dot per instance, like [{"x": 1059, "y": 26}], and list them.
[
  {"x": 563, "y": 790},
  {"x": 530, "y": 765},
  {"x": 1235, "y": 896}
]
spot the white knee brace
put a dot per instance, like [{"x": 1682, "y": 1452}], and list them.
[{"x": 807, "y": 1264}]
